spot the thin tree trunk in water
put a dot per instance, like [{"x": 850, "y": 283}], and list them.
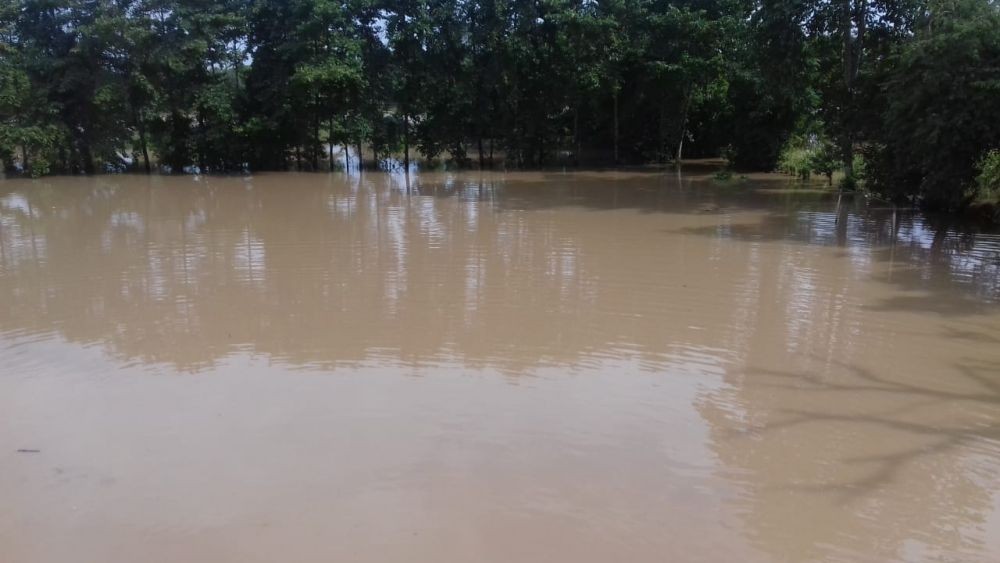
[
  {"x": 202, "y": 165},
  {"x": 71, "y": 158},
  {"x": 141, "y": 126},
  {"x": 329, "y": 142},
  {"x": 683, "y": 124},
  {"x": 87, "y": 156},
  {"x": 145, "y": 149},
  {"x": 576, "y": 135},
  {"x": 662, "y": 134},
  {"x": 25, "y": 163},
  {"x": 298, "y": 158},
  {"x": 615, "y": 97},
  {"x": 361, "y": 158},
  {"x": 406, "y": 142},
  {"x": 480, "y": 145},
  {"x": 491, "y": 150},
  {"x": 314, "y": 149}
]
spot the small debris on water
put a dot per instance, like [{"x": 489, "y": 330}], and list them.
[{"x": 27, "y": 451}]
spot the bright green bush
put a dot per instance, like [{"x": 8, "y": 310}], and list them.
[
  {"x": 802, "y": 157},
  {"x": 988, "y": 180},
  {"x": 795, "y": 158}
]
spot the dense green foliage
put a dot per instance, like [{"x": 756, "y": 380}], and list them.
[
  {"x": 988, "y": 180},
  {"x": 229, "y": 85},
  {"x": 942, "y": 105}
]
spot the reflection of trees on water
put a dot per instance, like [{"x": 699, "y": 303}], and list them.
[
  {"x": 821, "y": 390},
  {"x": 321, "y": 270},
  {"x": 184, "y": 272},
  {"x": 955, "y": 267}
]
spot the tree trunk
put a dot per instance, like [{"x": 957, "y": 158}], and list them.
[
  {"x": 846, "y": 143},
  {"x": 145, "y": 149},
  {"x": 314, "y": 146},
  {"x": 329, "y": 142},
  {"x": 25, "y": 163},
  {"x": 87, "y": 156},
  {"x": 361, "y": 158},
  {"x": 853, "y": 49},
  {"x": 406, "y": 142},
  {"x": 662, "y": 137},
  {"x": 685, "y": 106},
  {"x": 615, "y": 98},
  {"x": 480, "y": 145},
  {"x": 141, "y": 126},
  {"x": 576, "y": 135}
]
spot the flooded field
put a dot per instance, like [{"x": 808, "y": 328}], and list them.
[{"x": 520, "y": 367}]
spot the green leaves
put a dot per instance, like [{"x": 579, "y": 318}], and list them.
[
  {"x": 226, "y": 84},
  {"x": 943, "y": 106}
]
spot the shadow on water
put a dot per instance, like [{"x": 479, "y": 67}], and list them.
[{"x": 932, "y": 438}]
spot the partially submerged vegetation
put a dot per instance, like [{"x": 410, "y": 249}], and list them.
[
  {"x": 988, "y": 180},
  {"x": 802, "y": 157},
  {"x": 223, "y": 85}
]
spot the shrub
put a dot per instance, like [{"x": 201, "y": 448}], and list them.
[
  {"x": 804, "y": 156},
  {"x": 824, "y": 160},
  {"x": 795, "y": 158},
  {"x": 988, "y": 180}
]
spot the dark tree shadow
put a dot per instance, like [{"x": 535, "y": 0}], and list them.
[{"x": 984, "y": 375}]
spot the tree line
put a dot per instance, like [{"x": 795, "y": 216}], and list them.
[{"x": 904, "y": 94}]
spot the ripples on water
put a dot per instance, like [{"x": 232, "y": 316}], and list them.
[{"x": 499, "y": 367}]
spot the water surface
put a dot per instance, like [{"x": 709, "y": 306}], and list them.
[{"x": 531, "y": 367}]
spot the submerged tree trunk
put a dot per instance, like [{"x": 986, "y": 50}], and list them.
[
  {"x": 141, "y": 127},
  {"x": 361, "y": 158},
  {"x": 64, "y": 163},
  {"x": 329, "y": 142},
  {"x": 576, "y": 135},
  {"x": 202, "y": 164},
  {"x": 615, "y": 98},
  {"x": 479, "y": 143},
  {"x": 406, "y": 142},
  {"x": 685, "y": 106},
  {"x": 662, "y": 141},
  {"x": 86, "y": 156},
  {"x": 314, "y": 148}
]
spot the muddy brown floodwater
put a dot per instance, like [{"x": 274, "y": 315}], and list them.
[{"x": 520, "y": 367}]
